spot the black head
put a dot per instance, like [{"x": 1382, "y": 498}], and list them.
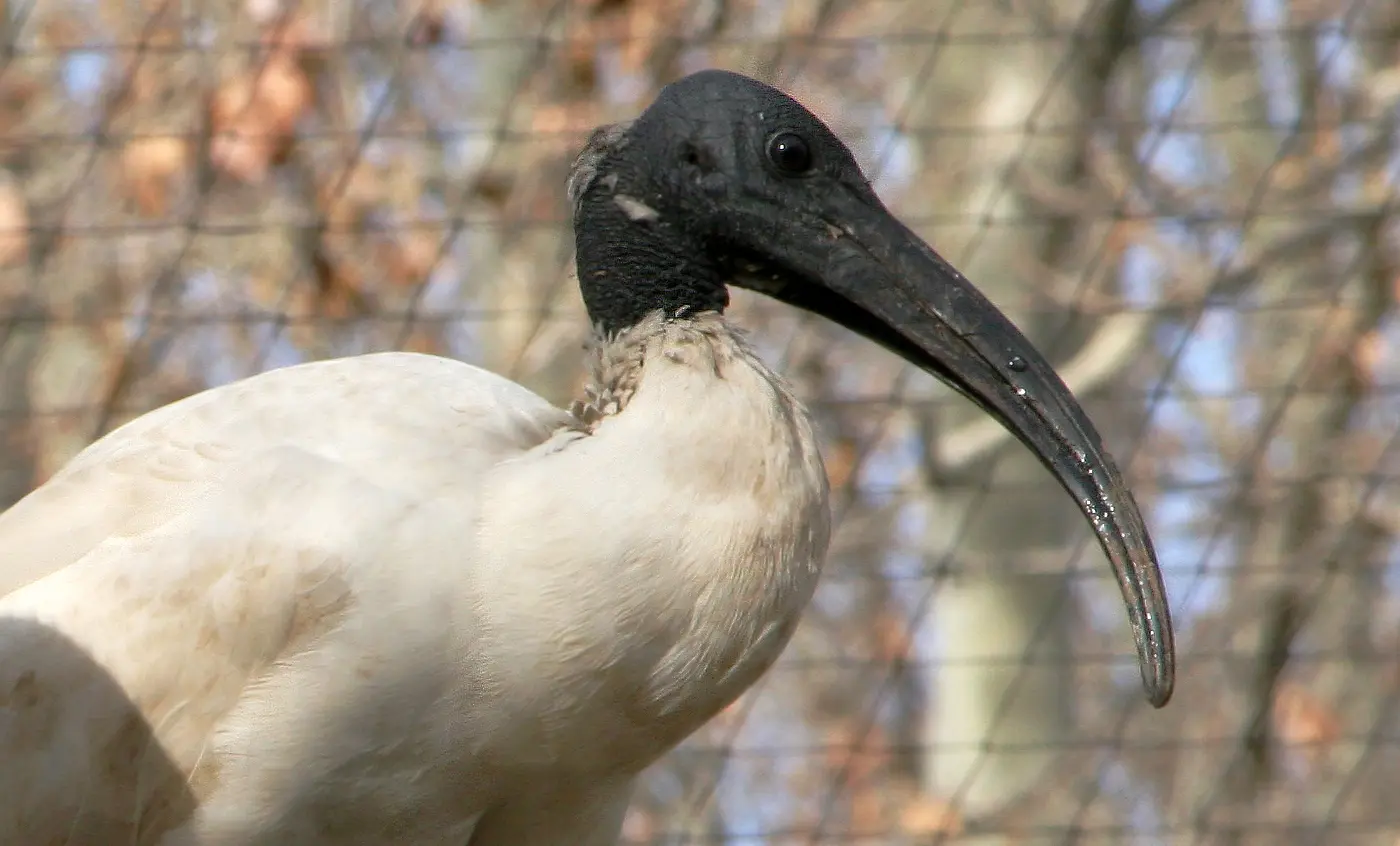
[
  {"x": 726, "y": 180},
  {"x": 691, "y": 186}
]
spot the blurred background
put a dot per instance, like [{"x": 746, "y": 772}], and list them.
[{"x": 1188, "y": 203}]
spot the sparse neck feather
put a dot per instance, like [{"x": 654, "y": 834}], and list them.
[{"x": 633, "y": 259}]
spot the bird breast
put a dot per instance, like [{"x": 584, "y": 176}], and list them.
[{"x": 638, "y": 579}]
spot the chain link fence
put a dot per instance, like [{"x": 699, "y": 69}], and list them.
[{"x": 1187, "y": 203}]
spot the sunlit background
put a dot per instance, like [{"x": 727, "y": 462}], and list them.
[{"x": 1188, "y": 203}]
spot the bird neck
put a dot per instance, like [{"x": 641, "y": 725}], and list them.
[{"x": 633, "y": 260}]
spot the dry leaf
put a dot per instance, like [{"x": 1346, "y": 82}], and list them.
[
  {"x": 892, "y": 637},
  {"x": 1367, "y": 355},
  {"x": 429, "y": 25},
  {"x": 841, "y": 463},
  {"x": 1301, "y": 719},
  {"x": 263, "y": 12},
  {"x": 254, "y": 115},
  {"x": 14, "y": 223},
  {"x": 411, "y": 255},
  {"x": 147, "y": 167},
  {"x": 285, "y": 93},
  {"x": 926, "y": 816},
  {"x": 645, "y": 25}
]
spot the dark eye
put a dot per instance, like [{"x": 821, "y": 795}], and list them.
[{"x": 789, "y": 151}]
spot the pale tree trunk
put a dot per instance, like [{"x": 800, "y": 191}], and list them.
[{"x": 514, "y": 293}]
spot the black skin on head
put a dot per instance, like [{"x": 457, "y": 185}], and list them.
[{"x": 656, "y": 223}]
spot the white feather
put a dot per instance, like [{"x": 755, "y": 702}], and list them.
[{"x": 398, "y": 599}]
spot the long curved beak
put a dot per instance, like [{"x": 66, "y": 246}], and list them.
[{"x": 867, "y": 271}]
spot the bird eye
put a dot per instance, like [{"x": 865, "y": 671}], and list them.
[{"x": 789, "y": 151}]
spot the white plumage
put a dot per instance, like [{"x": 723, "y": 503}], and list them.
[{"x": 368, "y": 600}]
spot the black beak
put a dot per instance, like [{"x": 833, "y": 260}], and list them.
[{"x": 865, "y": 270}]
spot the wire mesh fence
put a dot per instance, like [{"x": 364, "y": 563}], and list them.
[{"x": 1187, "y": 204}]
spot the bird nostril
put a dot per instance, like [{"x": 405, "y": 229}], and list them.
[{"x": 697, "y": 156}]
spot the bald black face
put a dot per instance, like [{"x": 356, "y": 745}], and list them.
[
  {"x": 726, "y": 180},
  {"x": 717, "y": 140}
]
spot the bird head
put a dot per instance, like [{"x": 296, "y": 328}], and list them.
[{"x": 724, "y": 180}]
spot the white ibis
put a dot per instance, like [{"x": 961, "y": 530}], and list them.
[{"x": 396, "y": 599}]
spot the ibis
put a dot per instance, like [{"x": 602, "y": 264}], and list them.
[{"x": 397, "y": 599}]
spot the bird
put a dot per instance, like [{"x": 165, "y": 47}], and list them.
[{"x": 398, "y": 599}]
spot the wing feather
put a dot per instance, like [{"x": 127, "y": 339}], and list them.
[
  {"x": 189, "y": 577},
  {"x": 390, "y": 415}
]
